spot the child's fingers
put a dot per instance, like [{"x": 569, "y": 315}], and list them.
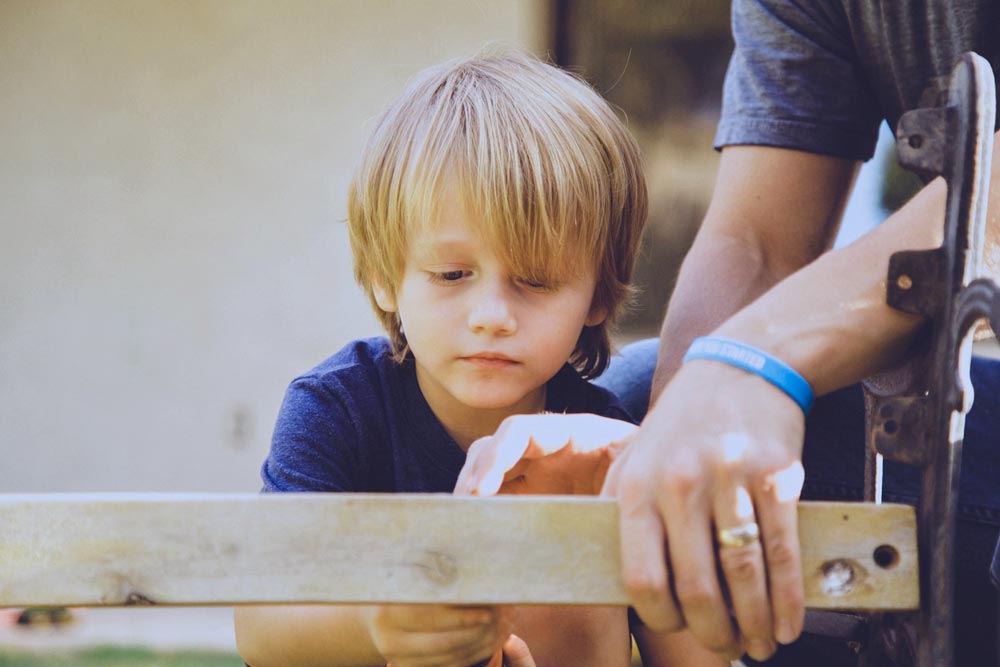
[
  {"x": 516, "y": 653},
  {"x": 507, "y": 447},
  {"x": 489, "y": 657},
  {"x": 495, "y": 460},
  {"x": 434, "y": 618},
  {"x": 457, "y": 648},
  {"x": 515, "y": 471},
  {"x": 450, "y": 648},
  {"x": 477, "y": 461},
  {"x": 488, "y": 461},
  {"x": 550, "y": 432}
]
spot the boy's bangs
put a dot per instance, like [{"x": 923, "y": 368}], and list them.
[
  {"x": 536, "y": 239},
  {"x": 530, "y": 161},
  {"x": 536, "y": 219},
  {"x": 533, "y": 238},
  {"x": 532, "y": 187}
]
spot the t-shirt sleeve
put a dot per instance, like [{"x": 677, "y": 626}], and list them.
[
  {"x": 618, "y": 411},
  {"x": 315, "y": 441},
  {"x": 793, "y": 82}
]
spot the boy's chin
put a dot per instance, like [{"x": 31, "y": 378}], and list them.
[
  {"x": 492, "y": 402},
  {"x": 496, "y": 398}
]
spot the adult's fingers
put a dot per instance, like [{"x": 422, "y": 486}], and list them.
[
  {"x": 643, "y": 550},
  {"x": 776, "y": 505},
  {"x": 692, "y": 559},
  {"x": 742, "y": 561}
]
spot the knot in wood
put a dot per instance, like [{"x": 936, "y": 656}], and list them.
[
  {"x": 136, "y": 599},
  {"x": 440, "y": 568},
  {"x": 839, "y": 577}
]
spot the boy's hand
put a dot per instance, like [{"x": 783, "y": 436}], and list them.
[
  {"x": 544, "y": 454},
  {"x": 439, "y": 635},
  {"x": 516, "y": 653}
]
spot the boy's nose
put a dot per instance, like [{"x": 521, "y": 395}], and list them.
[{"x": 492, "y": 311}]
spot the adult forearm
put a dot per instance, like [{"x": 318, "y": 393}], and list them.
[
  {"x": 305, "y": 636},
  {"x": 830, "y": 320},
  {"x": 720, "y": 275},
  {"x": 773, "y": 211}
]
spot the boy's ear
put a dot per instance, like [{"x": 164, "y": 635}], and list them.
[
  {"x": 596, "y": 316},
  {"x": 385, "y": 300}
]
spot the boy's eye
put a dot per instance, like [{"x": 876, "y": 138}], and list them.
[
  {"x": 537, "y": 285},
  {"x": 448, "y": 276}
]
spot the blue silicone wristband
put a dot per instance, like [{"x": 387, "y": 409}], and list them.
[{"x": 755, "y": 361}]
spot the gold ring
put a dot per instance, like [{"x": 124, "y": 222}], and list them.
[{"x": 740, "y": 536}]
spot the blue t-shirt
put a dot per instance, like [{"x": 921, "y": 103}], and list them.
[
  {"x": 820, "y": 76},
  {"x": 358, "y": 422}
]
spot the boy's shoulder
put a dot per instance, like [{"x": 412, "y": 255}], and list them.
[
  {"x": 365, "y": 357},
  {"x": 570, "y": 393},
  {"x": 362, "y": 377},
  {"x": 338, "y": 423}
]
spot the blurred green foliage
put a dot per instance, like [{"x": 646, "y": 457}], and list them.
[
  {"x": 134, "y": 657},
  {"x": 898, "y": 184},
  {"x": 662, "y": 62},
  {"x": 117, "y": 657},
  {"x": 652, "y": 58}
]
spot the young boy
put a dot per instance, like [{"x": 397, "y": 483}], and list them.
[{"x": 494, "y": 221}]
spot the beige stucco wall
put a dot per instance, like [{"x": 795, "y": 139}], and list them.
[{"x": 172, "y": 186}]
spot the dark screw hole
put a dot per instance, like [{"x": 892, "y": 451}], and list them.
[
  {"x": 916, "y": 141},
  {"x": 890, "y": 427},
  {"x": 886, "y": 556}
]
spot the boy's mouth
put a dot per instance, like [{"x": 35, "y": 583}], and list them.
[{"x": 490, "y": 360}]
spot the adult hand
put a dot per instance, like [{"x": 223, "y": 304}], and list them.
[
  {"x": 720, "y": 450},
  {"x": 438, "y": 635},
  {"x": 544, "y": 454}
]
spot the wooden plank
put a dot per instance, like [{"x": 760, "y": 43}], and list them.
[
  {"x": 128, "y": 549},
  {"x": 859, "y": 556}
]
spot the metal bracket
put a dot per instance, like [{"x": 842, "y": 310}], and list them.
[{"x": 916, "y": 414}]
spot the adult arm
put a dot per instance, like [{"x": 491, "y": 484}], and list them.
[
  {"x": 772, "y": 212},
  {"x": 720, "y": 446}
]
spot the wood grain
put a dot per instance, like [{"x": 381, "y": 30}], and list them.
[{"x": 128, "y": 549}]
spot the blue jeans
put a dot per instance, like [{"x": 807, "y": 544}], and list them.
[{"x": 833, "y": 456}]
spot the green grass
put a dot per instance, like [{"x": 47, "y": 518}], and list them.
[
  {"x": 116, "y": 657},
  {"x": 130, "y": 657}
]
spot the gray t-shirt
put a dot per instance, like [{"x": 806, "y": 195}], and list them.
[{"x": 819, "y": 76}]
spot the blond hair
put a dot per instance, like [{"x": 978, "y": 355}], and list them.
[{"x": 551, "y": 173}]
